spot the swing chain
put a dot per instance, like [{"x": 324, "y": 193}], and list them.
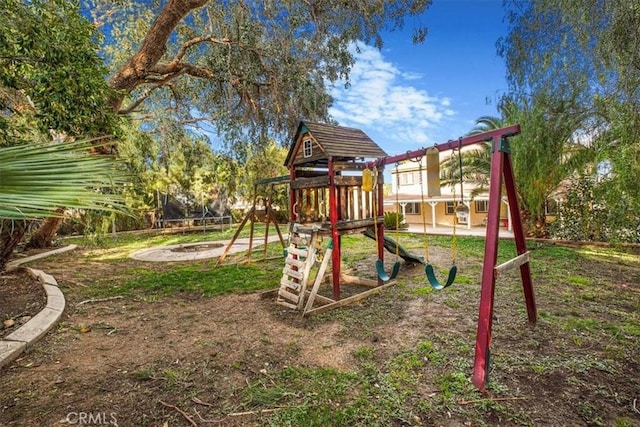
[
  {"x": 454, "y": 241},
  {"x": 397, "y": 232},
  {"x": 422, "y": 212}
]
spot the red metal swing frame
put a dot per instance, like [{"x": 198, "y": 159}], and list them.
[{"x": 501, "y": 172}]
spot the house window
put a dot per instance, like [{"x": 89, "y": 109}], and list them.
[
  {"x": 412, "y": 209},
  {"x": 551, "y": 207},
  {"x": 449, "y": 208},
  {"x": 307, "y": 148},
  {"x": 482, "y": 206},
  {"x": 408, "y": 178}
]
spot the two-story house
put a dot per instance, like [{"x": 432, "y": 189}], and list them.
[{"x": 454, "y": 204}]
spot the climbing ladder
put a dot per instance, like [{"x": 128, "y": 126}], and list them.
[{"x": 301, "y": 255}]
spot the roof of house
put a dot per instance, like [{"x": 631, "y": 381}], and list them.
[{"x": 336, "y": 142}]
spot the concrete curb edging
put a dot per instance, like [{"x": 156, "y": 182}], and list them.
[
  {"x": 12, "y": 265},
  {"x": 24, "y": 337}
]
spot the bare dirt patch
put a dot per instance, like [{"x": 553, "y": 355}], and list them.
[
  {"x": 106, "y": 356},
  {"x": 21, "y": 298}
]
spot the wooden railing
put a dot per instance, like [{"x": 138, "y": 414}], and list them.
[{"x": 312, "y": 199}]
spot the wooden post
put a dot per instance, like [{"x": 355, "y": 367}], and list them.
[
  {"x": 292, "y": 194},
  {"x": 521, "y": 243},
  {"x": 267, "y": 222},
  {"x": 307, "y": 207},
  {"x": 253, "y": 220},
  {"x": 235, "y": 236},
  {"x": 485, "y": 318},
  {"x": 333, "y": 218}
]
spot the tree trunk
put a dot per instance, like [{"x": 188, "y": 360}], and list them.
[
  {"x": 11, "y": 234},
  {"x": 43, "y": 237}
]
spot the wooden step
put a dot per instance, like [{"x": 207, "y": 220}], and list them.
[
  {"x": 298, "y": 263},
  {"x": 297, "y": 251},
  {"x": 289, "y": 296},
  {"x": 289, "y": 283},
  {"x": 293, "y": 273},
  {"x": 300, "y": 240},
  {"x": 286, "y": 304}
]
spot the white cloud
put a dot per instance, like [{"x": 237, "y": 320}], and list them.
[{"x": 385, "y": 99}]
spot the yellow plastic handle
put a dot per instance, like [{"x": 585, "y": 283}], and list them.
[{"x": 367, "y": 180}]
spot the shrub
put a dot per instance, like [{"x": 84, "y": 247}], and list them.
[{"x": 393, "y": 218}]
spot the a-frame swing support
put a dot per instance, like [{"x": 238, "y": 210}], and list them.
[
  {"x": 250, "y": 216},
  {"x": 501, "y": 168},
  {"x": 501, "y": 172}
]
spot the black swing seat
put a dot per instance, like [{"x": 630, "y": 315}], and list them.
[
  {"x": 433, "y": 281},
  {"x": 382, "y": 274}
]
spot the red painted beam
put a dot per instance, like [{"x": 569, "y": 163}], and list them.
[
  {"x": 520, "y": 239},
  {"x": 333, "y": 218},
  {"x": 487, "y": 290},
  {"x": 452, "y": 144}
]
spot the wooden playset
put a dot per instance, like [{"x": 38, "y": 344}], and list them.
[{"x": 336, "y": 188}]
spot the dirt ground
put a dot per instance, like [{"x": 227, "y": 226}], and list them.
[
  {"x": 146, "y": 361},
  {"x": 22, "y": 298}
]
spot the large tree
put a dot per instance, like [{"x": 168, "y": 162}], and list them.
[{"x": 49, "y": 62}]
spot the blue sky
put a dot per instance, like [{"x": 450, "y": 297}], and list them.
[{"x": 408, "y": 96}]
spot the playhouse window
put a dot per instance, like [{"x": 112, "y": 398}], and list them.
[{"x": 307, "y": 148}]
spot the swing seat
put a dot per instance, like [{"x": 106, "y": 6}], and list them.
[
  {"x": 433, "y": 281},
  {"x": 383, "y": 274}
]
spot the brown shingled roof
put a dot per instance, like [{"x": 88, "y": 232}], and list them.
[{"x": 338, "y": 141}]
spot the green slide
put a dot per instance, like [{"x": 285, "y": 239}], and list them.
[{"x": 391, "y": 245}]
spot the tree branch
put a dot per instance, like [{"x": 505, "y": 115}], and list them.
[
  {"x": 152, "y": 49},
  {"x": 136, "y": 103}
]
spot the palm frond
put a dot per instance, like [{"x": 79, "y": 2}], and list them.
[{"x": 38, "y": 179}]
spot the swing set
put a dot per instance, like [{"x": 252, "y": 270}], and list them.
[
  {"x": 433, "y": 164},
  {"x": 251, "y": 217},
  {"x": 334, "y": 190},
  {"x": 501, "y": 173}
]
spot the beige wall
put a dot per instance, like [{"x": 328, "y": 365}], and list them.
[{"x": 442, "y": 218}]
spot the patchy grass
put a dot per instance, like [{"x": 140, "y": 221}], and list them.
[
  {"x": 223, "y": 280},
  {"x": 401, "y": 357},
  {"x": 119, "y": 246}
]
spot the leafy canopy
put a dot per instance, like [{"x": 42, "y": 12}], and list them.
[
  {"x": 49, "y": 55},
  {"x": 252, "y": 69},
  {"x": 574, "y": 69}
]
